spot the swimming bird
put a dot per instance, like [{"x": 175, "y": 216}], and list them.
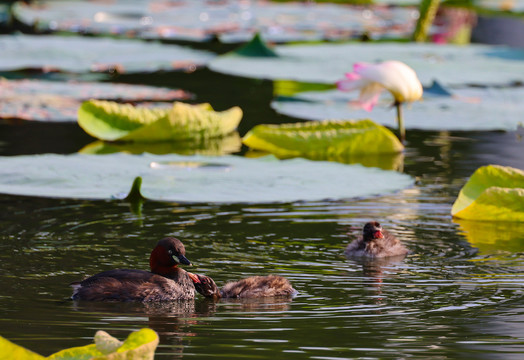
[
  {"x": 375, "y": 242},
  {"x": 165, "y": 282},
  {"x": 251, "y": 287}
]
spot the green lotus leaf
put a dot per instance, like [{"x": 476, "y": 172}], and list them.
[
  {"x": 111, "y": 121},
  {"x": 255, "y": 48},
  {"x": 139, "y": 345},
  {"x": 199, "y": 21},
  {"x": 225, "y": 179},
  {"x": 327, "y": 63},
  {"x": 492, "y": 193},
  {"x": 323, "y": 139},
  {"x": 80, "y": 54},
  {"x": 11, "y": 351}
]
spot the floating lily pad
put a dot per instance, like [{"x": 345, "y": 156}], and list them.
[
  {"x": 138, "y": 345},
  {"x": 206, "y": 146},
  {"x": 200, "y": 20},
  {"x": 237, "y": 180},
  {"x": 327, "y": 63},
  {"x": 322, "y": 140},
  {"x": 13, "y": 351},
  {"x": 59, "y": 101},
  {"x": 466, "y": 109},
  {"x": 83, "y": 54},
  {"x": 107, "y": 120},
  {"x": 492, "y": 193}
]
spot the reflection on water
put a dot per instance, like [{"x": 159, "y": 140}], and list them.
[
  {"x": 215, "y": 146},
  {"x": 492, "y": 238},
  {"x": 383, "y": 161}
]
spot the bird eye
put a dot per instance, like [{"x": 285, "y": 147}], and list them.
[{"x": 170, "y": 252}]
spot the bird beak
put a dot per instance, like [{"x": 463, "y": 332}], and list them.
[
  {"x": 193, "y": 277},
  {"x": 378, "y": 234},
  {"x": 181, "y": 259}
]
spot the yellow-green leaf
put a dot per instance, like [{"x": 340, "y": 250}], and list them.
[
  {"x": 493, "y": 193},
  {"x": 11, "y": 351},
  {"x": 322, "y": 140},
  {"x": 139, "y": 345},
  {"x": 111, "y": 121}
]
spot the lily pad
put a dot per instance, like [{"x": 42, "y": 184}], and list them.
[
  {"x": 12, "y": 351},
  {"x": 176, "y": 178},
  {"x": 231, "y": 21},
  {"x": 321, "y": 140},
  {"x": 111, "y": 121},
  {"x": 467, "y": 109},
  {"x": 327, "y": 63},
  {"x": 212, "y": 146},
  {"x": 139, "y": 345},
  {"x": 59, "y": 101},
  {"x": 492, "y": 193},
  {"x": 84, "y": 54}
]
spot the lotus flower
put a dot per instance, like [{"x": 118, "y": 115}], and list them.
[{"x": 396, "y": 77}]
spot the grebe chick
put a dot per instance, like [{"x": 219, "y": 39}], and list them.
[
  {"x": 251, "y": 287},
  {"x": 375, "y": 242}
]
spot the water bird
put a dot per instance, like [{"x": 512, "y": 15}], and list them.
[
  {"x": 375, "y": 242},
  {"x": 248, "y": 288},
  {"x": 165, "y": 282}
]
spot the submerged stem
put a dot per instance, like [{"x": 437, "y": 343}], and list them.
[{"x": 400, "y": 122}]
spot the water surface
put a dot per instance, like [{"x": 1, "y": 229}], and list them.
[{"x": 458, "y": 295}]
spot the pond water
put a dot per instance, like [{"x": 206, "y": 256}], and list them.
[{"x": 459, "y": 294}]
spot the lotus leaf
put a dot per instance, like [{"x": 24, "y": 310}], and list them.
[
  {"x": 185, "y": 178},
  {"x": 111, "y": 121},
  {"x": 83, "y": 54},
  {"x": 492, "y": 193},
  {"x": 139, "y": 345},
  {"x": 463, "y": 109},
  {"x": 200, "y": 20},
  {"x": 11, "y": 351},
  {"x": 60, "y": 100},
  {"x": 255, "y": 48},
  {"x": 327, "y": 63},
  {"x": 323, "y": 139}
]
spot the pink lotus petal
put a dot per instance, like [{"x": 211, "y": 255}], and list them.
[
  {"x": 350, "y": 85},
  {"x": 360, "y": 66},
  {"x": 352, "y": 76},
  {"x": 369, "y": 95}
]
